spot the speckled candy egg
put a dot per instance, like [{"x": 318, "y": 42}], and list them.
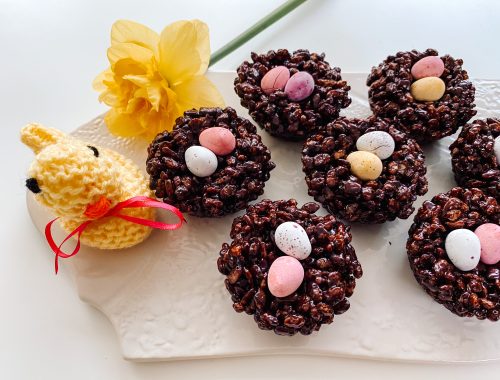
[
  {"x": 285, "y": 276},
  {"x": 463, "y": 249},
  {"x": 275, "y": 79},
  {"x": 299, "y": 86},
  {"x": 292, "y": 239},
  {"x": 219, "y": 140},
  {"x": 430, "y": 66},
  {"x": 200, "y": 161},
  {"x": 496, "y": 149},
  {"x": 365, "y": 165},
  {"x": 428, "y": 89},
  {"x": 377, "y": 142},
  {"x": 489, "y": 236}
]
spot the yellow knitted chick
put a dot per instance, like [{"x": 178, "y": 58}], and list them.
[{"x": 80, "y": 182}]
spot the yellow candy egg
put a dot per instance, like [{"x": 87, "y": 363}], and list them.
[
  {"x": 428, "y": 89},
  {"x": 365, "y": 165}
]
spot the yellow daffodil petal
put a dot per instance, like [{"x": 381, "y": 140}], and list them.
[
  {"x": 99, "y": 82},
  {"x": 197, "y": 92},
  {"x": 154, "y": 94},
  {"x": 170, "y": 107},
  {"x": 153, "y": 79},
  {"x": 140, "y": 93},
  {"x": 203, "y": 45},
  {"x": 138, "y": 80},
  {"x": 136, "y": 105},
  {"x": 170, "y": 100},
  {"x": 110, "y": 98},
  {"x": 125, "y": 31},
  {"x": 184, "y": 50},
  {"x": 128, "y": 66},
  {"x": 122, "y": 124},
  {"x": 129, "y": 51}
]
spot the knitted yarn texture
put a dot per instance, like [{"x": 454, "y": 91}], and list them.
[{"x": 78, "y": 181}]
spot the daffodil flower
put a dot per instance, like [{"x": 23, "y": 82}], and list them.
[{"x": 153, "y": 79}]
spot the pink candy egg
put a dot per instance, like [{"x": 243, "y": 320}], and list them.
[
  {"x": 299, "y": 86},
  {"x": 430, "y": 66},
  {"x": 219, "y": 140},
  {"x": 275, "y": 79},
  {"x": 285, "y": 276},
  {"x": 489, "y": 236}
]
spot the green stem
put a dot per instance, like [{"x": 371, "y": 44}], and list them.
[{"x": 255, "y": 29}]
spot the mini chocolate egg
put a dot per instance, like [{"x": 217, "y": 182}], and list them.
[
  {"x": 463, "y": 249},
  {"x": 275, "y": 79},
  {"x": 365, "y": 165},
  {"x": 299, "y": 86},
  {"x": 428, "y": 89},
  {"x": 430, "y": 66},
  {"x": 292, "y": 239},
  {"x": 489, "y": 236},
  {"x": 285, "y": 276},
  {"x": 200, "y": 161},
  {"x": 379, "y": 143},
  {"x": 496, "y": 149},
  {"x": 219, "y": 140}
]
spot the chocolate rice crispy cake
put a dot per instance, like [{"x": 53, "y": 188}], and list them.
[
  {"x": 240, "y": 175},
  {"x": 425, "y": 121},
  {"x": 275, "y": 112},
  {"x": 331, "y": 181},
  {"x": 330, "y": 271},
  {"x": 472, "y": 293},
  {"x": 473, "y": 157}
]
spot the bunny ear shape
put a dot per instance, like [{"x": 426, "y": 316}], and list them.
[{"x": 37, "y": 137}]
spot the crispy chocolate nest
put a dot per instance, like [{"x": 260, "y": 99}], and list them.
[
  {"x": 275, "y": 112},
  {"x": 331, "y": 182},
  {"x": 475, "y": 293},
  {"x": 238, "y": 180},
  {"x": 330, "y": 271},
  {"x": 473, "y": 158},
  {"x": 389, "y": 96}
]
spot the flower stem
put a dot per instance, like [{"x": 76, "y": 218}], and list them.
[{"x": 255, "y": 29}]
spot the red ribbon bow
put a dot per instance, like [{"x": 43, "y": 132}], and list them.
[{"x": 134, "y": 202}]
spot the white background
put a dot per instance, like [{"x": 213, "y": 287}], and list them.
[{"x": 49, "y": 53}]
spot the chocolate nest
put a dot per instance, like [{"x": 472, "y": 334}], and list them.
[
  {"x": 475, "y": 293},
  {"x": 473, "y": 158},
  {"x": 330, "y": 271},
  {"x": 389, "y": 96},
  {"x": 238, "y": 180},
  {"x": 275, "y": 112},
  {"x": 330, "y": 181}
]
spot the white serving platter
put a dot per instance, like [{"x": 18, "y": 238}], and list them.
[{"x": 166, "y": 300}]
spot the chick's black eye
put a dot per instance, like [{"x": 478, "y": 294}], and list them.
[
  {"x": 32, "y": 185},
  {"x": 94, "y": 149}
]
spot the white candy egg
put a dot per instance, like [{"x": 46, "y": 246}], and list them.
[
  {"x": 200, "y": 161},
  {"x": 292, "y": 239},
  {"x": 496, "y": 149},
  {"x": 463, "y": 249},
  {"x": 377, "y": 142}
]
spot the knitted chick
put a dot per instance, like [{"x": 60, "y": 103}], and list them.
[{"x": 80, "y": 182}]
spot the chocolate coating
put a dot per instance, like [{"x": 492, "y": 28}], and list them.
[
  {"x": 475, "y": 293},
  {"x": 330, "y": 270},
  {"x": 389, "y": 96},
  {"x": 473, "y": 158},
  {"x": 277, "y": 114},
  {"x": 240, "y": 176},
  {"x": 331, "y": 182}
]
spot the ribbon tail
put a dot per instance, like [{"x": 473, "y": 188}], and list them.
[{"x": 57, "y": 249}]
